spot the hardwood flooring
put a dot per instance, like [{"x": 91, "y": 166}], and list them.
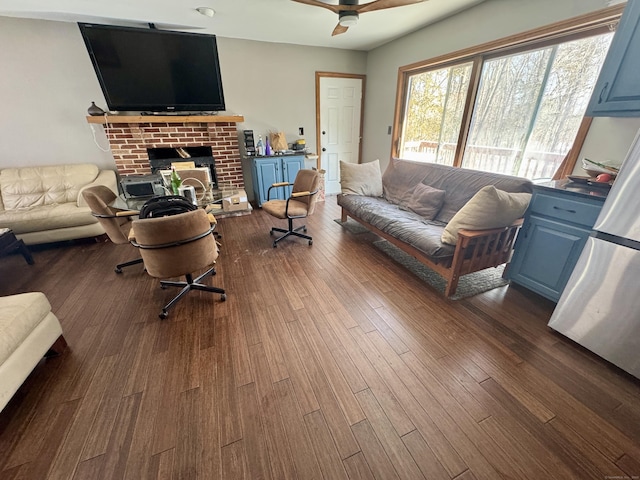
[{"x": 329, "y": 361}]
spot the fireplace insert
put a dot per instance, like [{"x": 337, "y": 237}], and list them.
[{"x": 162, "y": 158}]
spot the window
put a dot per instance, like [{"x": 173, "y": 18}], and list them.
[{"x": 514, "y": 109}]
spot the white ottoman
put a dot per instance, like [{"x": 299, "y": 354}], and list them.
[{"x": 28, "y": 330}]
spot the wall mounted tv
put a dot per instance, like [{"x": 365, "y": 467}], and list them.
[{"x": 155, "y": 70}]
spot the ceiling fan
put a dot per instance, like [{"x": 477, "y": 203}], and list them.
[{"x": 349, "y": 10}]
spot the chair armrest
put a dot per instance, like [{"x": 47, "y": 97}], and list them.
[
  {"x": 276, "y": 185},
  {"x": 117, "y": 214},
  {"x": 177, "y": 243},
  {"x": 300, "y": 194},
  {"x": 127, "y": 213}
]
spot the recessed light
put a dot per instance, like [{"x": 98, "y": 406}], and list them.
[{"x": 206, "y": 11}]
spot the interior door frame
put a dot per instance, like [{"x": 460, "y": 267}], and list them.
[{"x": 320, "y": 75}]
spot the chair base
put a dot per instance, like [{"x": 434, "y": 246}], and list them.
[
  {"x": 289, "y": 232},
  {"x": 190, "y": 284},
  {"x": 118, "y": 268}
]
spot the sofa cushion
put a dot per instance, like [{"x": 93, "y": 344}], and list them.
[
  {"x": 404, "y": 225},
  {"x": 426, "y": 201},
  {"x": 400, "y": 179},
  {"x": 19, "y": 315},
  {"x": 46, "y": 217},
  {"x": 361, "y": 179},
  {"x": 489, "y": 208},
  {"x": 32, "y": 186}
]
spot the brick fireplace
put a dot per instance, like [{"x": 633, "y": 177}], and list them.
[{"x": 130, "y": 137}]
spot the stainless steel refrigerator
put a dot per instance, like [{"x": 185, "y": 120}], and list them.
[{"x": 600, "y": 306}]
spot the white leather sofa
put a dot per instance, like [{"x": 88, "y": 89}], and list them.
[
  {"x": 45, "y": 204},
  {"x": 28, "y": 330}
]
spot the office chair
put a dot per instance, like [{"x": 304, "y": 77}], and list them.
[
  {"x": 300, "y": 204},
  {"x": 116, "y": 222},
  {"x": 178, "y": 245}
]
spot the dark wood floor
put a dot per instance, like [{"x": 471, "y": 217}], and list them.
[{"x": 329, "y": 361}]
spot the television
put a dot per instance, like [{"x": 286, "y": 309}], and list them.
[{"x": 155, "y": 70}]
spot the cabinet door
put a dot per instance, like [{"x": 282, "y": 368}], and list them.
[
  {"x": 290, "y": 168},
  {"x": 617, "y": 92},
  {"x": 267, "y": 171},
  {"x": 545, "y": 255}
]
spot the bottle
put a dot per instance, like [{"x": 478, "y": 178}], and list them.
[
  {"x": 175, "y": 181},
  {"x": 260, "y": 146},
  {"x": 267, "y": 149}
]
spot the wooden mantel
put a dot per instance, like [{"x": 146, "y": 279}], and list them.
[{"x": 165, "y": 119}]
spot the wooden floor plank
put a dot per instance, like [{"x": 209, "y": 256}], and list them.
[
  {"x": 429, "y": 465},
  {"x": 210, "y": 461},
  {"x": 329, "y": 458},
  {"x": 253, "y": 434},
  {"x": 234, "y": 464},
  {"x": 189, "y": 444},
  {"x": 357, "y": 467},
  {"x": 226, "y": 396},
  {"x": 373, "y": 451},
  {"x": 280, "y": 461},
  {"x": 334, "y": 415},
  {"x": 333, "y": 373},
  {"x": 297, "y": 434},
  {"x": 397, "y": 452},
  {"x": 326, "y": 361}
]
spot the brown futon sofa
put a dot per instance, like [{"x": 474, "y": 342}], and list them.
[{"x": 417, "y": 229}]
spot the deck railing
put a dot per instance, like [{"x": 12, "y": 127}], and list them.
[{"x": 489, "y": 159}]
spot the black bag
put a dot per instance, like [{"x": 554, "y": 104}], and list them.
[{"x": 165, "y": 206}]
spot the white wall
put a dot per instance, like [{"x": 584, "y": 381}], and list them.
[
  {"x": 273, "y": 86},
  {"x": 47, "y": 84},
  {"x": 487, "y": 21}
]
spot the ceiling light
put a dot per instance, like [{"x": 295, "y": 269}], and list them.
[
  {"x": 206, "y": 11},
  {"x": 348, "y": 19}
]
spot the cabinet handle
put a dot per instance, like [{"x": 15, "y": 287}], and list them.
[
  {"x": 604, "y": 89},
  {"x": 564, "y": 209}
]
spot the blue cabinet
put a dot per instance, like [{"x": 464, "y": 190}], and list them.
[
  {"x": 556, "y": 227},
  {"x": 617, "y": 91},
  {"x": 269, "y": 170}
]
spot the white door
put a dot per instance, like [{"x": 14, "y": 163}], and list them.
[{"x": 340, "y": 118}]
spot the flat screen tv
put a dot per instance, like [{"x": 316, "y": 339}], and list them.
[{"x": 155, "y": 70}]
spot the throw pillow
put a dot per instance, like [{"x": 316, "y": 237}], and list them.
[
  {"x": 361, "y": 178},
  {"x": 489, "y": 208},
  {"x": 426, "y": 201}
]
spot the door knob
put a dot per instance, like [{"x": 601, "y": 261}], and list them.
[
  {"x": 323, "y": 132},
  {"x": 324, "y": 149}
]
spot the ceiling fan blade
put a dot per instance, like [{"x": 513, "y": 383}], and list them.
[
  {"x": 382, "y": 4},
  {"x": 338, "y": 30},
  {"x": 318, "y": 3}
]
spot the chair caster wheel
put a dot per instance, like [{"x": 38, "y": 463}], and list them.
[
  {"x": 304, "y": 229},
  {"x": 163, "y": 315},
  {"x": 275, "y": 245},
  {"x": 310, "y": 242},
  {"x": 271, "y": 232},
  {"x": 117, "y": 270},
  {"x": 163, "y": 287},
  {"x": 223, "y": 297}
]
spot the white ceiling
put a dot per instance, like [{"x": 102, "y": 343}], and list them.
[{"x": 280, "y": 21}]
